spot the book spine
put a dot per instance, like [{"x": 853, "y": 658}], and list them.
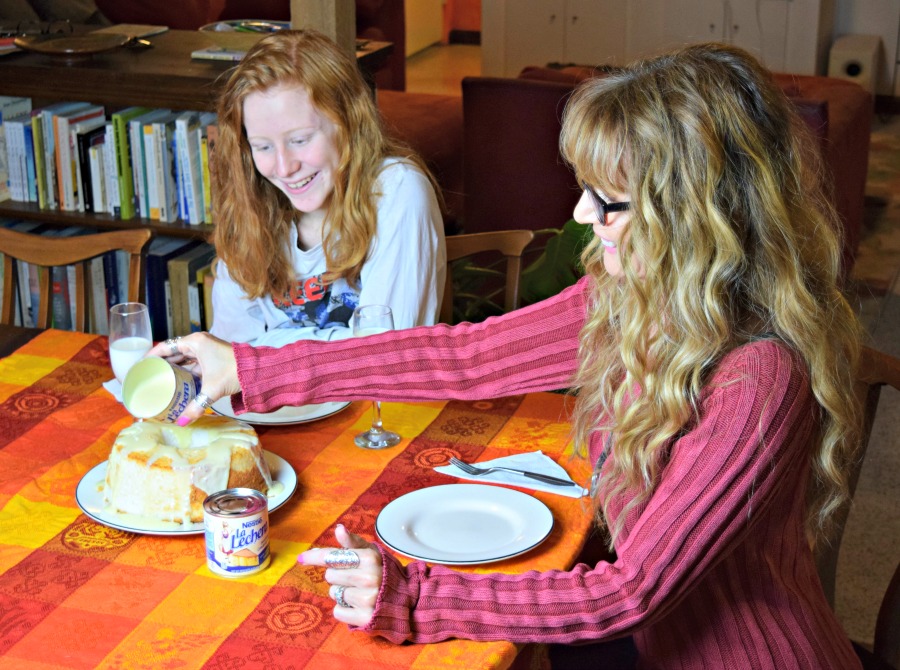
[
  {"x": 62, "y": 318},
  {"x": 170, "y": 330},
  {"x": 152, "y": 170},
  {"x": 63, "y": 164},
  {"x": 204, "y": 172},
  {"x": 30, "y": 175},
  {"x": 111, "y": 172},
  {"x": 110, "y": 278},
  {"x": 72, "y": 282},
  {"x": 97, "y": 178},
  {"x": 136, "y": 145},
  {"x": 82, "y": 184},
  {"x": 169, "y": 197},
  {"x": 99, "y": 306},
  {"x": 12, "y": 160},
  {"x": 40, "y": 170},
  {"x": 194, "y": 174},
  {"x": 49, "y": 128}
]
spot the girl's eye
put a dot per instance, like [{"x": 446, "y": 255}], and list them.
[
  {"x": 257, "y": 148},
  {"x": 299, "y": 140}
]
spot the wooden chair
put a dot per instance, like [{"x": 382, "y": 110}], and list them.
[
  {"x": 876, "y": 370},
  {"x": 510, "y": 243},
  {"x": 49, "y": 252}
]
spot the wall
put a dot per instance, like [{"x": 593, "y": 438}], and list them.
[
  {"x": 424, "y": 24},
  {"x": 874, "y": 17}
]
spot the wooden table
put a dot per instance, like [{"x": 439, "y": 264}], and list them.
[
  {"x": 163, "y": 75},
  {"x": 77, "y": 594}
]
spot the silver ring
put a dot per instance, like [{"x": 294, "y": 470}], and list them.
[
  {"x": 203, "y": 400},
  {"x": 172, "y": 343},
  {"x": 339, "y": 597},
  {"x": 343, "y": 559}
]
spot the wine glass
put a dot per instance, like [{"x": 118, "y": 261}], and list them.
[
  {"x": 129, "y": 336},
  {"x": 371, "y": 320}
]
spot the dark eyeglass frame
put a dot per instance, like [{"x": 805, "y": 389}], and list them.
[{"x": 602, "y": 207}]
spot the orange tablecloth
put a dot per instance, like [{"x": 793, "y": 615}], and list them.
[{"x": 77, "y": 594}]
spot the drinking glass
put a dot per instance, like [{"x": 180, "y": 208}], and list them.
[
  {"x": 129, "y": 336},
  {"x": 371, "y": 320}
]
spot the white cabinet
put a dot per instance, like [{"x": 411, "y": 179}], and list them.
[
  {"x": 787, "y": 35},
  {"x": 518, "y": 33}
]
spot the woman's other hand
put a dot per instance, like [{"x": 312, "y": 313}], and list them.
[
  {"x": 209, "y": 358},
  {"x": 354, "y": 574}
]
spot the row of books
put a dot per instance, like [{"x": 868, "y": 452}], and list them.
[
  {"x": 137, "y": 161},
  {"x": 178, "y": 290}
]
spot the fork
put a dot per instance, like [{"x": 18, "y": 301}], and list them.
[{"x": 476, "y": 471}]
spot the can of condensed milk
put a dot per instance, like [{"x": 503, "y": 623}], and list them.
[
  {"x": 156, "y": 389},
  {"x": 236, "y": 526}
]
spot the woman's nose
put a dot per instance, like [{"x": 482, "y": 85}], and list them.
[
  {"x": 584, "y": 210},
  {"x": 285, "y": 163}
]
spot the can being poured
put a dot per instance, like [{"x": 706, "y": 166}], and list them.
[
  {"x": 236, "y": 526},
  {"x": 157, "y": 389}
]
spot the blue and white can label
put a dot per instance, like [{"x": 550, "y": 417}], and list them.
[{"x": 236, "y": 527}]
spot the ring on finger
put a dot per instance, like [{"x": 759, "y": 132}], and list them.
[
  {"x": 339, "y": 597},
  {"x": 172, "y": 343},
  {"x": 203, "y": 400},
  {"x": 344, "y": 559}
]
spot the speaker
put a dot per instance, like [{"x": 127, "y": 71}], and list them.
[{"x": 856, "y": 58}]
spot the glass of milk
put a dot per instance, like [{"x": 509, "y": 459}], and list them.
[
  {"x": 372, "y": 320},
  {"x": 129, "y": 336}
]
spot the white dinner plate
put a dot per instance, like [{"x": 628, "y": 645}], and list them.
[
  {"x": 89, "y": 496},
  {"x": 464, "y": 524},
  {"x": 283, "y": 416}
]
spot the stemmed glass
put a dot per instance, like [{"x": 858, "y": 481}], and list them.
[
  {"x": 372, "y": 320},
  {"x": 129, "y": 336}
]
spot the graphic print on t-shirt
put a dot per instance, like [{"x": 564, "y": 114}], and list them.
[{"x": 313, "y": 302}]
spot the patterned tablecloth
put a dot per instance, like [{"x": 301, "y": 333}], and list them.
[{"x": 77, "y": 594}]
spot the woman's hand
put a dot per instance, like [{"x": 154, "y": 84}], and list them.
[
  {"x": 209, "y": 358},
  {"x": 354, "y": 589}
]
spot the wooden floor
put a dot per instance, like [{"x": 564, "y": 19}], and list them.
[{"x": 440, "y": 68}]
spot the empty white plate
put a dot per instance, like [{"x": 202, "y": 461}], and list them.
[{"x": 464, "y": 524}]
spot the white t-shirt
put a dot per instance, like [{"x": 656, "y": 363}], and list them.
[{"x": 405, "y": 270}]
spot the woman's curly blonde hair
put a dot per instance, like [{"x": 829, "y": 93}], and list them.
[
  {"x": 732, "y": 238},
  {"x": 253, "y": 217}
]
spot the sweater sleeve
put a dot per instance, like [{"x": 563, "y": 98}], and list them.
[
  {"x": 531, "y": 349},
  {"x": 752, "y": 436}
]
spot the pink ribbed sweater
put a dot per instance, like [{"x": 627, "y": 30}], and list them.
[{"x": 712, "y": 572}]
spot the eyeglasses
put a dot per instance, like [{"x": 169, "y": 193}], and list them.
[{"x": 602, "y": 207}]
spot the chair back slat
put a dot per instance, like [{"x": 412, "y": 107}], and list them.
[
  {"x": 46, "y": 253},
  {"x": 510, "y": 243}
]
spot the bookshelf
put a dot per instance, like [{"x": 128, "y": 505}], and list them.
[{"x": 163, "y": 75}]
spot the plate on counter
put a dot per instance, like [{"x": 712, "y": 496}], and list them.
[
  {"x": 89, "y": 496},
  {"x": 71, "y": 45},
  {"x": 464, "y": 524},
  {"x": 283, "y": 416}
]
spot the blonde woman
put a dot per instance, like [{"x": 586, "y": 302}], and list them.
[
  {"x": 317, "y": 210},
  {"x": 713, "y": 354}
]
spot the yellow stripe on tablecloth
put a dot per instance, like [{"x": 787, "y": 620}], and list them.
[
  {"x": 224, "y": 605},
  {"x": 283, "y": 558},
  {"x": 465, "y": 654},
  {"x": 20, "y": 371},
  {"x": 25, "y": 523}
]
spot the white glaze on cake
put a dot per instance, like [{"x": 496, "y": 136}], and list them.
[{"x": 163, "y": 471}]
